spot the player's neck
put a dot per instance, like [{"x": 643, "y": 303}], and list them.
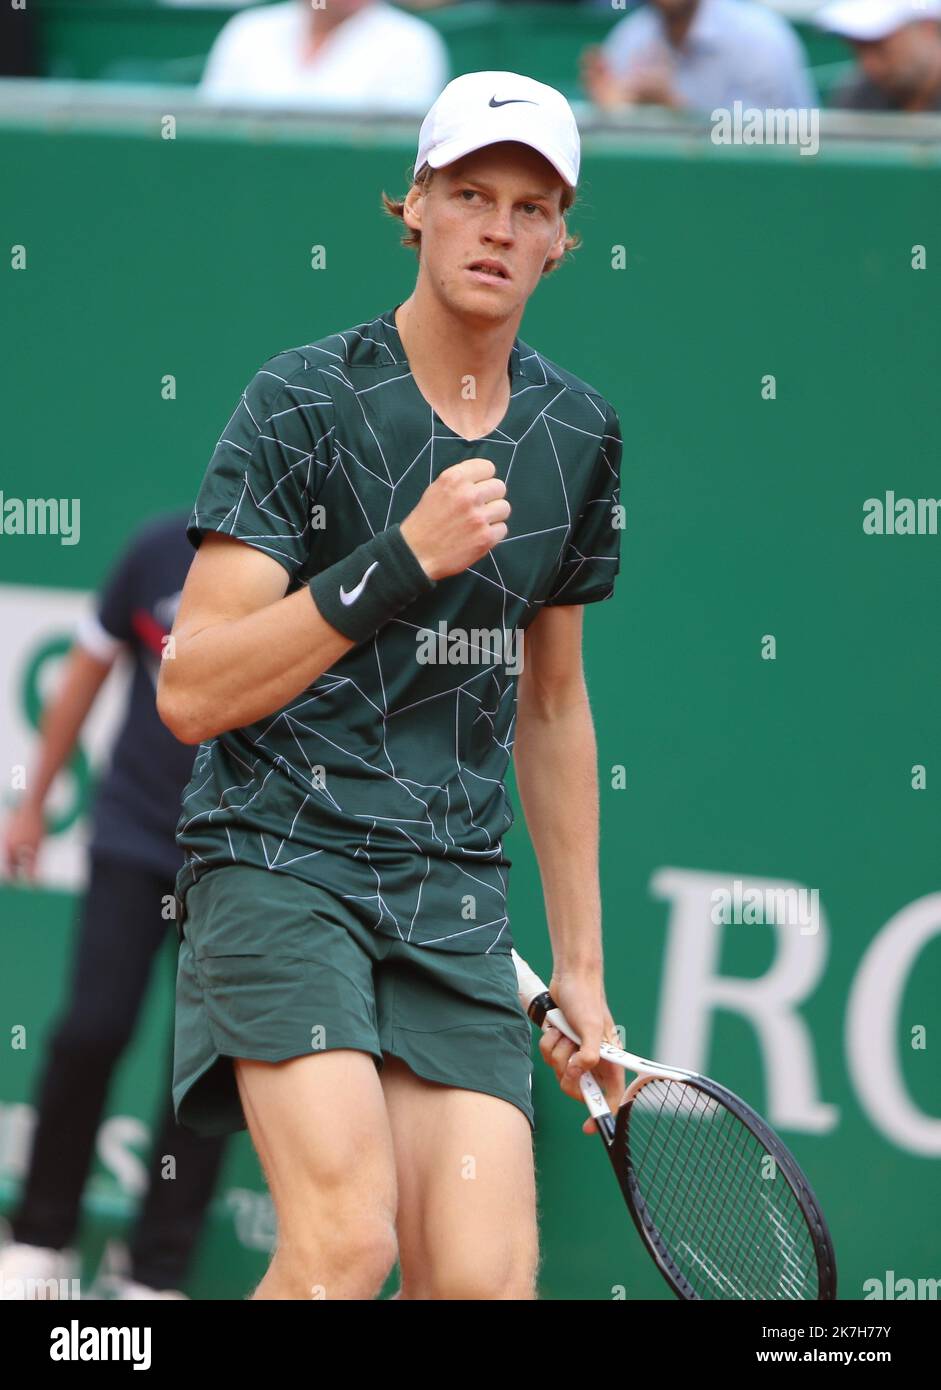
[{"x": 461, "y": 369}]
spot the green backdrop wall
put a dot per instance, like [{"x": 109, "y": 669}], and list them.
[{"x": 192, "y": 257}]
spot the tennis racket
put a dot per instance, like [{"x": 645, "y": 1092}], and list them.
[{"x": 718, "y": 1200}]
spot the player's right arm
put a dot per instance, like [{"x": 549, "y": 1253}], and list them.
[
  {"x": 243, "y": 648},
  {"x": 240, "y": 649}
]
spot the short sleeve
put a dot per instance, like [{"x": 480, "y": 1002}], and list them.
[
  {"x": 118, "y": 596},
  {"x": 266, "y": 469},
  {"x": 593, "y": 556}
]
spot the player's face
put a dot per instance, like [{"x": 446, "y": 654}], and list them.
[{"x": 500, "y": 204}]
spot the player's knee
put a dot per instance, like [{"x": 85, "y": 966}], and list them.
[
  {"x": 358, "y": 1253},
  {"x": 513, "y": 1277},
  {"x": 368, "y": 1252}
]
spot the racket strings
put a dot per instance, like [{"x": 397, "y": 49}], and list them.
[
  {"x": 700, "y": 1190},
  {"x": 710, "y": 1184},
  {"x": 697, "y": 1178},
  {"x": 731, "y": 1232},
  {"x": 737, "y": 1170},
  {"x": 733, "y": 1277},
  {"x": 742, "y": 1173}
]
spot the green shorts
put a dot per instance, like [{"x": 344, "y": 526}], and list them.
[{"x": 271, "y": 967}]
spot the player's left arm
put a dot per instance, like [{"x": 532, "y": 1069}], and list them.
[{"x": 555, "y": 757}]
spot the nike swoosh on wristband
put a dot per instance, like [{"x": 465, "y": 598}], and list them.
[
  {"x": 354, "y": 594},
  {"x": 509, "y": 101}
]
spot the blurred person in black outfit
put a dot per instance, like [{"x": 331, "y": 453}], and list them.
[{"x": 123, "y": 924}]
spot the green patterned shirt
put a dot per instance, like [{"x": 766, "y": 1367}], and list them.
[{"x": 383, "y": 781}]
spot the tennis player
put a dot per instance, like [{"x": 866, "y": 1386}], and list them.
[{"x": 387, "y": 511}]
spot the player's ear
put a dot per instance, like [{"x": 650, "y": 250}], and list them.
[
  {"x": 558, "y": 246},
  {"x": 412, "y": 208}
]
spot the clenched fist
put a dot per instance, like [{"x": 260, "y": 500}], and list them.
[{"x": 461, "y": 516}]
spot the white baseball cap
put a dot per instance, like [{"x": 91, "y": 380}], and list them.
[
  {"x": 874, "y": 19},
  {"x": 480, "y": 108}
]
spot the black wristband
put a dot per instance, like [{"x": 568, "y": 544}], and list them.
[{"x": 370, "y": 585}]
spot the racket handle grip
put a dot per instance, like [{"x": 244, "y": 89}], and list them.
[
  {"x": 528, "y": 982},
  {"x": 593, "y": 1095},
  {"x": 532, "y": 988}
]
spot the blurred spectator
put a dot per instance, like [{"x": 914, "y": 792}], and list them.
[
  {"x": 122, "y": 927},
  {"x": 898, "y": 53},
  {"x": 349, "y": 55},
  {"x": 699, "y": 54}
]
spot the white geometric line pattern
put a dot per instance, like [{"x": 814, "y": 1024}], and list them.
[{"x": 384, "y": 781}]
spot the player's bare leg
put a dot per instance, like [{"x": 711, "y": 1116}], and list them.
[
  {"x": 467, "y": 1193},
  {"x": 321, "y": 1132}
]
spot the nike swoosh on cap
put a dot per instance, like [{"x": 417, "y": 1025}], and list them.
[
  {"x": 353, "y": 595},
  {"x": 493, "y": 101}
]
